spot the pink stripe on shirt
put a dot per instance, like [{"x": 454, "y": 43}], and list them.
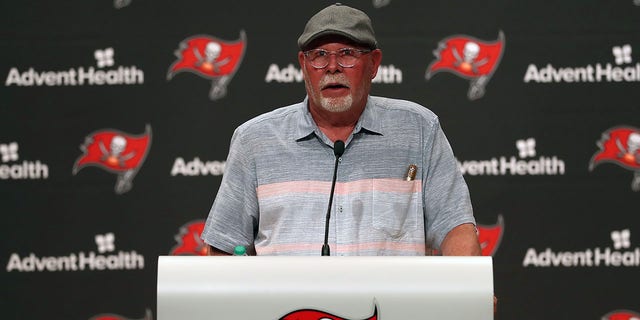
[
  {"x": 342, "y": 188},
  {"x": 342, "y": 249}
]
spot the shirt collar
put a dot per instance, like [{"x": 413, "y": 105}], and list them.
[
  {"x": 306, "y": 125},
  {"x": 369, "y": 122}
]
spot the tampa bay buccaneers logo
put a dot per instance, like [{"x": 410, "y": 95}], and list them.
[
  {"x": 622, "y": 315},
  {"x": 490, "y": 237},
  {"x": 621, "y": 146},
  {"x": 116, "y": 152},
  {"x": 310, "y": 314},
  {"x": 189, "y": 241},
  {"x": 211, "y": 59},
  {"x": 110, "y": 316},
  {"x": 469, "y": 58}
]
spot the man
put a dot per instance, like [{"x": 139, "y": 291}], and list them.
[{"x": 398, "y": 191}]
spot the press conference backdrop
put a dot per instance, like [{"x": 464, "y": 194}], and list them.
[{"x": 116, "y": 117}]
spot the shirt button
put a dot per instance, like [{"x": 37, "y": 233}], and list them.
[
  {"x": 340, "y": 159},
  {"x": 340, "y": 209}
]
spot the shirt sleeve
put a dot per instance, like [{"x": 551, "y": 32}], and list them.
[
  {"x": 446, "y": 196},
  {"x": 234, "y": 214}
]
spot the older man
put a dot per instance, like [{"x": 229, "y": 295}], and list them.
[{"x": 398, "y": 190}]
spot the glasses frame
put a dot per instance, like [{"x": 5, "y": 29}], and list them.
[{"x": 337, "y": 53}]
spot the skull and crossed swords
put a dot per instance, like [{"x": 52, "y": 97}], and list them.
[
  {"x": 211, "y": 52},
  {"x": 114, "y": 155},
  {"x": 632, "y": 153},
  {"x": 470, "y": 53}
]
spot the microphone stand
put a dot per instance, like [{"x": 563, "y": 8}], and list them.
[{"x": 338, "y": 150}]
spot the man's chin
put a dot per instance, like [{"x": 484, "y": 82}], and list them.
[{"x": 341, "y": 104}]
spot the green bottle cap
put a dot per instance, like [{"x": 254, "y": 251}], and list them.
[{"x": 239, "y": 251}]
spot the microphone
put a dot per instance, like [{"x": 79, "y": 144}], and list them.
[{"x": 338, "y": 150}]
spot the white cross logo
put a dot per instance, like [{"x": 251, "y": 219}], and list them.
[
  {"x": 105, "y": 242},
  {"x": 622, "y": 54},
  {"x": 104, "y": 58},
  {"x": 527, "y": 148},
  {"x": 382, "y": 3},
  {"x": 118, "y": 4},
  {"x": 621, "y": 239},
  {"x": 9, "y": 151}
]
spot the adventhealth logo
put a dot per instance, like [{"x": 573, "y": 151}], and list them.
[
  {"x": 622, "y": 71},
  {"x": 197, "y": 167},
  {"x": 79, "y": 76},
  {"x": 621, "y": 255},
  {"x": 10, "y": 170},
  {"x": 387, "y": 74},
  {"x": 105, "y": 260},
  {"x": 521, "y": 165}
]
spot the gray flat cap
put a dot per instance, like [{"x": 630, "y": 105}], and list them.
[{"x": 338, "y": 19}]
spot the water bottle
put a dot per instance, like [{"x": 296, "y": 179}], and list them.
[{"x": 240, "y": 251}]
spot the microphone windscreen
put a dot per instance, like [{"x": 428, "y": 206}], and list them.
[{"x": 338, "y": 148}]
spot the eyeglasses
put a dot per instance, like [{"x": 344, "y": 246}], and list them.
[{"x": 346, "y": 57}]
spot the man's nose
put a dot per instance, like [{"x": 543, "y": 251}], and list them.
[{"x": 333, "y": 65}]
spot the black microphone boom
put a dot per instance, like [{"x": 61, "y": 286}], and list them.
[{"x": 338, "y": 150}]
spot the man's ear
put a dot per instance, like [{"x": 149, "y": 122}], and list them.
[
  {"x": 376, "y": 59},
  {"x": 301, "y": 59}
]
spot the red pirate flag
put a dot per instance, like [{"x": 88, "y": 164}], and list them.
[
  {"x": 622, "y": 315},
  {"x": 210, "y": 58},
  {"x": 310, "y": 314},
  {"x": 621, "y": 146},
  {"x": 489, "y": 237},
  {"x": 115, "y": 152},
  {"x": 469, "y": 58},
  {"x": 189, "y": 242}
]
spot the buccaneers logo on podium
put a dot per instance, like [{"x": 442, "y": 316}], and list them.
[
  {"x": 621, "y": 315},
  {"x": 211, "y": 59},
  {"x": 310, "y": 314},
  {"x": 621, "y": 146},
  {"x": 147, "y": 316},
  {"x": 469, "y": 58},
  {"x": 116, "y": 152},
  {"x": 189, "y": 241}
]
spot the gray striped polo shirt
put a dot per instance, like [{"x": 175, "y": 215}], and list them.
[{"x": 275, "y": 190}]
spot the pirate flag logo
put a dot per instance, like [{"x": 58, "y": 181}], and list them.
[
  {"x": 116, "y": 152},
  {"x": 310, "y": 314},
  {"x": 211, "y": 59},
  {"x": 621, "y": 146},
  {"x": 189, "y": 241},
  {"x": 621, "y": 315},
  {"x": 468, "y": 58},
  {"x": 490, "y": 237},
  {"x": 147, "y": 316}
]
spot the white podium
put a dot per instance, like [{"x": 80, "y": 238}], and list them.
[{"x": 300, "y": 288}]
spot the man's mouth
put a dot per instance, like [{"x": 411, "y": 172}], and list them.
[{"x": 334, "y": 86}]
